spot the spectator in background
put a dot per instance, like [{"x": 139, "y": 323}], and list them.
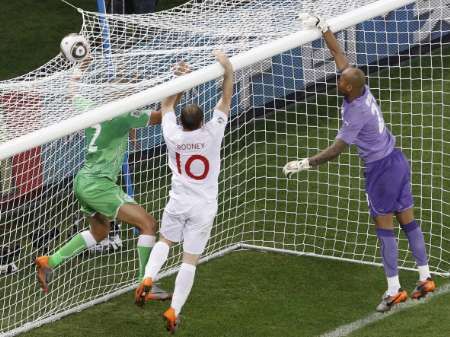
[{"x": 131, "y": 6}]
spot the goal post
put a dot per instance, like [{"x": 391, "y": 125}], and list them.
[
  {"x": 285, "y": 106},
  {"x": 203, "y": 75}
]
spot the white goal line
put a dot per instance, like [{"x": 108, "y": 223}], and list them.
[
  {"x": 293, "y": 252},
  {"x": 53, "y": 318},
  {"x": 346, "y": 329}
]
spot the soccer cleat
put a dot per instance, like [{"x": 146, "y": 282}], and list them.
[
  {"x": 43, "y": 271},
  {"x": 388, "y": 302},
  {"x": 142, "y": 291},
  {"x": 157, "y": 294},
  {"x": 423, "y": 288},
  {"x": 172, "y": 321}
]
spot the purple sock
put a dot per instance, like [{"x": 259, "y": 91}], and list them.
[
  {"x": 416, "y": 242},
  {"x": 389, "y": 251}
]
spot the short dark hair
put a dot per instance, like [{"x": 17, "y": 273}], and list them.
[{"x": 191, "y": 117}]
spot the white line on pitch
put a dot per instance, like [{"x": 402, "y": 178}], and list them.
[{"x": 346, "y": 329}]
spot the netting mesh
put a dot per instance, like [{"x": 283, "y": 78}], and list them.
[
  {"x": 141, "y": 50},
  {"x": 284, "y": 107}
]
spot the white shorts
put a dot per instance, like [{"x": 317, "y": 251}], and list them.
[{"x": 191, "y": 224}]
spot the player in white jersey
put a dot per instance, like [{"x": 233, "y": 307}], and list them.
[{"x": 194, "y": 159}]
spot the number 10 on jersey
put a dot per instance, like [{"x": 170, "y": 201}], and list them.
[{"x": 188, "y": 165}]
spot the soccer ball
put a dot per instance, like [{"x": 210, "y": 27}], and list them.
[{"x": 75, "y": 47}]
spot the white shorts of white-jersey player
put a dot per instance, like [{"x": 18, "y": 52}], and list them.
[{"x": 194, "y": 159}]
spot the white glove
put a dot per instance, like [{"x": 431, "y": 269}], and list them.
[
  {"x": 312, "y": 21},
  {"x": 296, "y": 166}
]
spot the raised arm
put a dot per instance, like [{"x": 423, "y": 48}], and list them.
[
  {"x": 155, "y": 118},
  {"x": 169, "y": 103},
  {"x": 77, "y": 74},
  {"x": 335, "y": 50},
  {"x": 339, "y": 145},
  {"x": 311, "y": 21},
  {"x": 224, "y": 103}
]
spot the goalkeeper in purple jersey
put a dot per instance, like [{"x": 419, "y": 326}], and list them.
[{"x": 386, "y": 171}]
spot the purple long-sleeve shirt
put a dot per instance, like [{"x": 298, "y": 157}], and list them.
[{"x": 363, "y": 125}]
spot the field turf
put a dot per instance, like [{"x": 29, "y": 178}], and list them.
[{"x": 249, "y": 293}]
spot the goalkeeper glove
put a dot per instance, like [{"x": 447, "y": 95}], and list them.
[
  {"x": 313, "y": 21},
  {"x": 296, "y": 166}
]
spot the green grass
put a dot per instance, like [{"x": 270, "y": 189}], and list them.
[
  {"x": 251, "y": 294},
  {"x": 423, "y": 320},
  {"x": 322, "y": 212}
]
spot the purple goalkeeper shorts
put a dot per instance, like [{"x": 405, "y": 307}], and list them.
[{"x": 388, "y": 184}]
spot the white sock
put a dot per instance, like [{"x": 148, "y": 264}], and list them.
[
  {"x": 146, "y": 240},
  {"x": 183, "y": 286},
  {"x": 88, "y": 239},
  {"x": 156, "y": 260},
  {"x": 424, "y": 272},
  {"x": 393, "y": 285}
]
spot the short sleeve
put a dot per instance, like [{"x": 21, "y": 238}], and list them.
[
  {"x": 138, "y": 118},
  {"x": 218, "y": 123},
  {"x": 169, "y": 124},
  {"x": 350, "y": 128}
]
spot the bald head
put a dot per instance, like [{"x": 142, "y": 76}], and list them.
[
  {"x": 191, "y": 117},
  {"x": 355, "y": 78}
]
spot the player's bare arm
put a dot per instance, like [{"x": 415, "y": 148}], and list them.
[
  {"x": 155, "y": 118},
  {"x": 336, "y": 50},
  {"x": 324, "y": 156},
  {"x": 77, "y": 73},
  {"x": 133, "y": 139},
  {"x": 224, "y": 103},
  {"x": 169, "y": 103},
  {"x": 339, "y": 145},
  {"x": 313, "y": 21},
  {"x": 329, "y": 153}
]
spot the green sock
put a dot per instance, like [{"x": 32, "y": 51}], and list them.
[
  {"x": 71, "y": 248},
  {"x": 144, "y": 254}
]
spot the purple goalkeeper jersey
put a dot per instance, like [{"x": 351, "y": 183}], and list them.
[{"x": 363, "y": 125}]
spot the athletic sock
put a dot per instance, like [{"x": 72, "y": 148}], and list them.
[
  {"x": 78, "y": 243},
  {"x": 393, "y": 285},
  {"x": 424, "y": 272},
  {"x": 144, "y": 246},
  {"x": 157, "y": 258},
  {"x": 417, "y": 248},
  {"x": 389, "y": 254},
  {"x": 183, "y": 286}
]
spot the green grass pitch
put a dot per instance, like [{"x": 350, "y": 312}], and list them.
[
  {"x": 264, "y": 294},
  {"x": 249, "y": 293}
]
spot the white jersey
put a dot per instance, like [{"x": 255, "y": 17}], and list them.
[{"x": 194, "y": 157}]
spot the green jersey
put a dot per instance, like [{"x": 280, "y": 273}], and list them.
[{"x": 107, "y": 142}]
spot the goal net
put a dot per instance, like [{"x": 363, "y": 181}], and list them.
[{"x": 285, "y": 106}]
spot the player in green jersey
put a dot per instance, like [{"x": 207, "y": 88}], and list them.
[{"x": 95, "y": 187}]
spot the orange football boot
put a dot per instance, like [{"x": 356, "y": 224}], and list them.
[
  {"x": 142, "y": 290},
  {"x": 171, "y": 319},
  {"x": 388, "y": 302},
  {"x": 43, "y": 271},
  {"x": 423, "y": 288}
]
